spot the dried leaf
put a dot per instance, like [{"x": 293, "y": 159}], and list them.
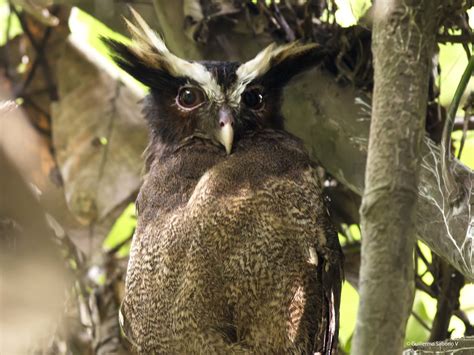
[
  {"x": 98, "y": 134},
  {"x": 199, "y": 16}
]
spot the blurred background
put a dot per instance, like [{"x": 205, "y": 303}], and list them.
[{"x": 72, "y": 137}]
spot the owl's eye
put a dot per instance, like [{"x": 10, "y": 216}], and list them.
[
  {"x": 190, "y": 97},
  {"x": 253, "y": 98}
]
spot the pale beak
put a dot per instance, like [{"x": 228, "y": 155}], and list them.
[{"x": 225, "y": 131}]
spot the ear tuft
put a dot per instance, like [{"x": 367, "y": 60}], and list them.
[
  {"x": 280, "y": 63},
  {"x": 148, "y": 56},
  {"x": 137, "y": 65},
  {"x": 145, "y": 33},
  {"x": 147, "y": 44},
  {"x": 292, "y": 51}
]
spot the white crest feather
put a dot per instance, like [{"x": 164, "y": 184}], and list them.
[
  {"x": 263, "y": 61},
  {"x": 154, "y": 39},
  {"x": 256, "y": 66},
  {"x": 149, "y": 47},
  {"x": 271, "y": 55}
]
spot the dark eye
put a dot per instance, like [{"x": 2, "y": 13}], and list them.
[
  {"x": 253, "y": 98},
  {"x": 189, "y": 97}
]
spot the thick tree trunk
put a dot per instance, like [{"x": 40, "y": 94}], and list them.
[{"x": 403, "y": 43}]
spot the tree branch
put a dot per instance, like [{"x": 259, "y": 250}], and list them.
[
  {"x": 450, "y": 283},
  {"x": 402, "y": 44}
]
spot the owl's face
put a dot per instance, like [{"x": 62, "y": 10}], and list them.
[
  {"x": 221, "y": 108},
  {"x": 218, "y": 101}
]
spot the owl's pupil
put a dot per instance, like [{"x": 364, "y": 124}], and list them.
[
  {"x": 253, "y": 99},
  {"x": 188, "y": 97}
]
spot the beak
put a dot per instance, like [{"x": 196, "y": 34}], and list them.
[{"x": 225, "y": 131}]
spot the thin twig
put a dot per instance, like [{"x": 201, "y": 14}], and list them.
[
  {"x": 464, "y": 38},
  {"x": 450, "y": 283},
  {"x": 459, "y": 124},
  {"x": 420, "y": 285},
  {"x": 468, "y": 108},
  {"x": 462, "y": 316},
  {"x": 421, "y": 321},
  {"x": 28, "y": 100},
  {"x": 424, "y": 259},
  {"x": 40, "y": 56},
  {"x": 289, "y": 34},
  {"x": 450, "y": 183}
]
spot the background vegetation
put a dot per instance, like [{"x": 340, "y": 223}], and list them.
[{"x": 77, "y": 137}]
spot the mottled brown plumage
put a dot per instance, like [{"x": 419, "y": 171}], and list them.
[{"x": 233, "y": 252}]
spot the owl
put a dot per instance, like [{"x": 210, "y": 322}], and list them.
[{"x": 234, "y": 252}]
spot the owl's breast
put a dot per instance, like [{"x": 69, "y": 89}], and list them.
[{"x": 210, "y": 239}]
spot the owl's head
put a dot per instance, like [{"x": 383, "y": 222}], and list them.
[{"x": 218, "y": 101}]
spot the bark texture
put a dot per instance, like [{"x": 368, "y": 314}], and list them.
[{"x": 402, "y": 44}]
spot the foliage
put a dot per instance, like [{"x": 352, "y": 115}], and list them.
[
  {"x": 452, "y": 59},
  {"x": 13, "y": 28}
]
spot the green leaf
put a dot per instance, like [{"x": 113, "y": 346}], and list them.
[
  {"x": 467, "y": 156},
  {"x": 122, "y": 231},
  {"x": 15, "y": 27},
  {"x": 415, "y": 331},
  {"x": 348, "y": 315}
]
